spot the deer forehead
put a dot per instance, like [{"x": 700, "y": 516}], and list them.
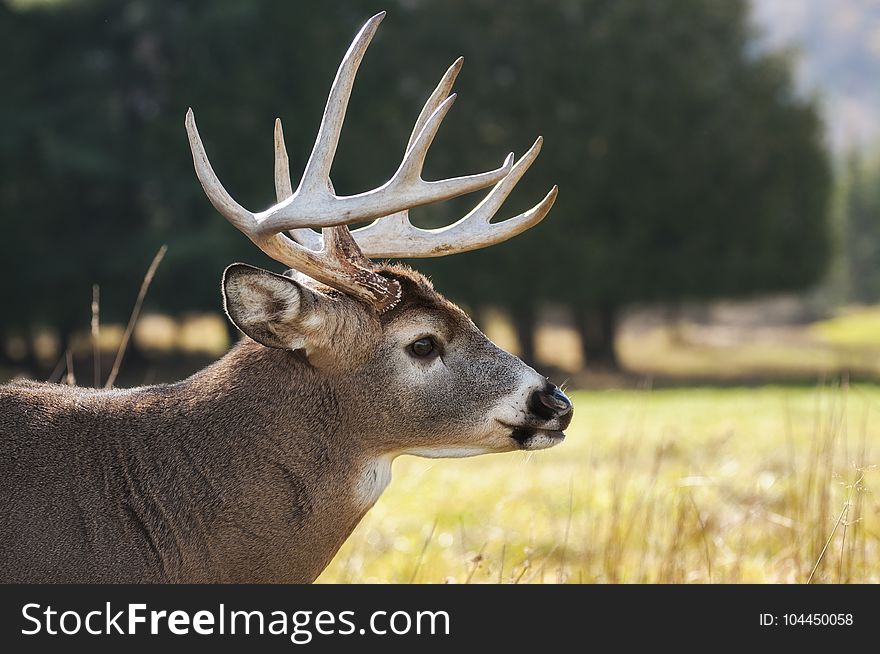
[{"x": 419, "y": 323}]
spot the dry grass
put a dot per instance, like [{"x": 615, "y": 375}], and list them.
[{"x": 737, "y": 485}]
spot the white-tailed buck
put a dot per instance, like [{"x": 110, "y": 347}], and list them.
[{"x": 257, "y": 468}]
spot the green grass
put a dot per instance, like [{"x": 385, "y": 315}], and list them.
[
  {"x": 721, "y": 485},
  {"x": 858, "y": 327}
]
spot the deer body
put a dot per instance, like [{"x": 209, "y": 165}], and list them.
[
  {"x": 257, "y": 468},
  {"x": 198, "y": 481}
]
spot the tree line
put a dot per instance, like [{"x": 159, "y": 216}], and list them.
[{"x": 688, "y": 166}]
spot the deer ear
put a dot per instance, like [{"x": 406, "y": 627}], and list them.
[{"x": 269, "y": 308}]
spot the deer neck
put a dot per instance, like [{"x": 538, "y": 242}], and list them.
[{"x": 283, "y": 479}]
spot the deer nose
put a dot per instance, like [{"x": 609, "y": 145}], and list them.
[{"x": 551, "y": 403}]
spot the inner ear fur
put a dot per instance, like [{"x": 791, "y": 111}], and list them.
[{"x": 271, "y": 309}]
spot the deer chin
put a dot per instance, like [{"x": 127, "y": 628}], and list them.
[{"x": 532, "y": 438}]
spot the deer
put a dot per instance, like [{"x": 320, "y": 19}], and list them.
[{"x": 257, "y": 468}]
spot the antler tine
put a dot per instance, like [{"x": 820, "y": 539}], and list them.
[
  {"x": 284, "y": 189},
  {"x": 243, "y": 219},
  {"x": 436, "y": 99},
  {"x": 396, "y": 237},
  {"x": 409, "y": 173},
  {"x": 317, "y": 171}
]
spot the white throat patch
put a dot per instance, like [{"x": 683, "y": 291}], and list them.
[{"x": 373, "y": 480}]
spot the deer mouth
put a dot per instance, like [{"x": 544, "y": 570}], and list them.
[{"x": 533, "y": 438}]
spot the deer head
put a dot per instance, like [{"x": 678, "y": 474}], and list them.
[{"x": 410, "y": 371}]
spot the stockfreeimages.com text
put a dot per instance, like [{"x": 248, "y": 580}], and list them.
[{"x": 300, "y": 626}]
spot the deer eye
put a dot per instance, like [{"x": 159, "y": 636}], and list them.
[{"x": 424, "y": 348}]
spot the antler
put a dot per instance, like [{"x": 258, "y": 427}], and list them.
[
  {"x": 339, "y": 257},
  {"x": 394, "y": 236}
]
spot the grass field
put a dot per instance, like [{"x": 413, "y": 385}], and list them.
[
  {"x": 769, "y": 484},
  {"x": 761, "y": 484}
]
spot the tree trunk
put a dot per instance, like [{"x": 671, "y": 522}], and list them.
[
  {"x": 597, "y": 328},
  {"x": 524, "y": 320}
]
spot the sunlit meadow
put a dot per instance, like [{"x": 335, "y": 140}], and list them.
[{"x": 698, "y": 485}]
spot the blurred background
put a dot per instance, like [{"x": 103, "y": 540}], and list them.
[{"x": 708, "y": 281}]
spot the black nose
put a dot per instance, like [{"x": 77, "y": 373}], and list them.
[{"x": 550, "y": 403}]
